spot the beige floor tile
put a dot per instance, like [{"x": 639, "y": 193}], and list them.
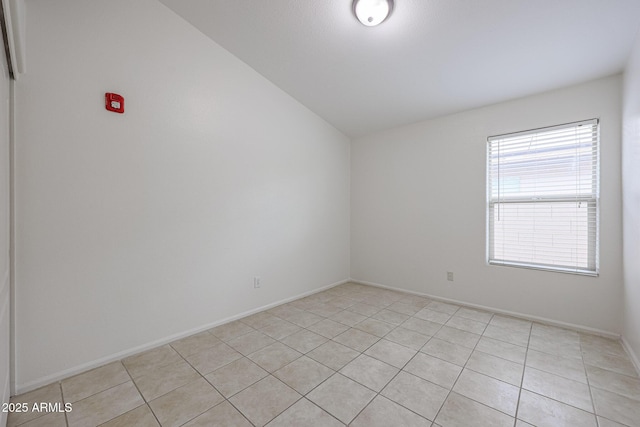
[
  {"x": 304, "y": 413},
  {"x": 328, "y": 328},
  {"x": 195, "y": 343},
  {"x": 555, "y": 346},
  {"x": 512, "y": 323},
  {"x": 236, "y": 376},
  {"x": 304, "y": 341},
  {"x": 415, "y": 300},
  {"x": 288, "y": 310},
  {"x": 501, "y": 369},
  {"x": 489, "y": 391},
  {"x": 149, "y": 361},
  {"x": 467, "y": 325},
  {"x": 303, "y": 374},
  {"x": 571, "y": 392},
  {"x": 614, "y": 382},
  {"x": 213, "y": 358},
  {"x": 185, "y": 403},
  {"x": 416, "y": 394},
  {"x": 407, "y": 338},
  {"x": 221, "y": 415},
  {"x": 391, "y": 353},
  {"x": 382, "y": 412},
  {"x": 94, "y": 381},
  {"x": 433, "y": 369},
  {"x": 259, "y": 320},
  {"x": 356, "y": 339},
  {"x": 341, "y": 397},
  {"x": 612, "y": 363},
  {"x": 325, "y": 310},
  {"x": 342, "y": 302},
  {"x": 456, "y": 336},
  {"x": 279, "y": 328},
  {"x": 310, "y": 301},
  {"x": 390, "y": 317},
  {"x": 333, "y": 354},
  {"x": 421, "y": 326},
  {"x": 56, "y": 419},
  {"x": 572, "y": 369},
  {"x": 378, "y": 301},
  {"x": 502, "y": 349},
  {"x": 459, "y": 411},
  {"x": 348, "y": 318},
  {"x": 517, "y": 337},
  {"x": 369, "y": 372},
  {"x": 603, "y": 422},
  {"x": 274, "y": 356},
  {"x": 251, "y": 342},
  {"x": 433, "y": 316},
  {"x": 364, "y": 309},
  {"x": 553, "y": 332},
  {"x": 165, "y": 379},
  {"x": 492, "y": 348},
  {"x": 375, "y": 327},
  {"x": 445, "y": 350},
  {"x": 104, "y": 406},
  {"x": 264, "y": 400},
  {"x": 231, "y": 330},
  {"x": 403, "y": 308},
  {"x": 596, "y": 344},
  {"x": 139, "y": 417},
  {"x": 443, "y": 307},
  {"x": 51, "y": 394},
  {"x": 616, "y": 407},
  {"x": 303, "y": 319},
  {"x": 544, "y": 412},
  {"x": 473, "y": 314}
]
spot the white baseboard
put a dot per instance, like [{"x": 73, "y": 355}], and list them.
[
  {"x": 538, "y": 319},
  {"x": 632, "y": 355},
  {"x": 58, "y": 376}
]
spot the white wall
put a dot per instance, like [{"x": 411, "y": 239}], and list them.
[
  {"x": 133, "y": 228},
  {"x": 418, "y": 210},
  {"x": 631, "y": 201},
  {"x": 4, "y": 235}
]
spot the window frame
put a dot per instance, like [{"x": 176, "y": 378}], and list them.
[{"x": 593, "y": 200}]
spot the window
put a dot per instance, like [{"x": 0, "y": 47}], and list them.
[{"x": 543, "y": 198}]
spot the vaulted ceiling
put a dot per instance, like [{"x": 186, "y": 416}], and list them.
[{"x": 430, "y": 58}]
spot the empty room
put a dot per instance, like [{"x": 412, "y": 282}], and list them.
[{"x": 320, "y": 213}]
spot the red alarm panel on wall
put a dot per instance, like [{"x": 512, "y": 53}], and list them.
[{"x": 114, "y": 102}]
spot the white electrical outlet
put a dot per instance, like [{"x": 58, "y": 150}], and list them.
[
  {"x": 256, "y": 282},
  {"x": 450, "y": 276}
]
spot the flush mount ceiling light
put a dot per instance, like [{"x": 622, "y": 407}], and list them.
[{"x": 372, "y": 12}]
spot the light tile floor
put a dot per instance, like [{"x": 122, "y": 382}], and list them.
[{"x": 361, "y": 356}]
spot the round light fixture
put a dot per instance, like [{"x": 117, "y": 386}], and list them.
[{"x": 372, "y": 12}]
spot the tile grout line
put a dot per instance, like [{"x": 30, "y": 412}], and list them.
[
  {"x": 586, "y": 375},
  {"x": 524, "y": 368},
  {"x": 66, "y": 419}
]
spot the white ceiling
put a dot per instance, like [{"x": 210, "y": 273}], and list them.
[{"x": 430, "y": 58}]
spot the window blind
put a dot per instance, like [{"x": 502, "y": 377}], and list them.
[{"x": 543, "y": 198}]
